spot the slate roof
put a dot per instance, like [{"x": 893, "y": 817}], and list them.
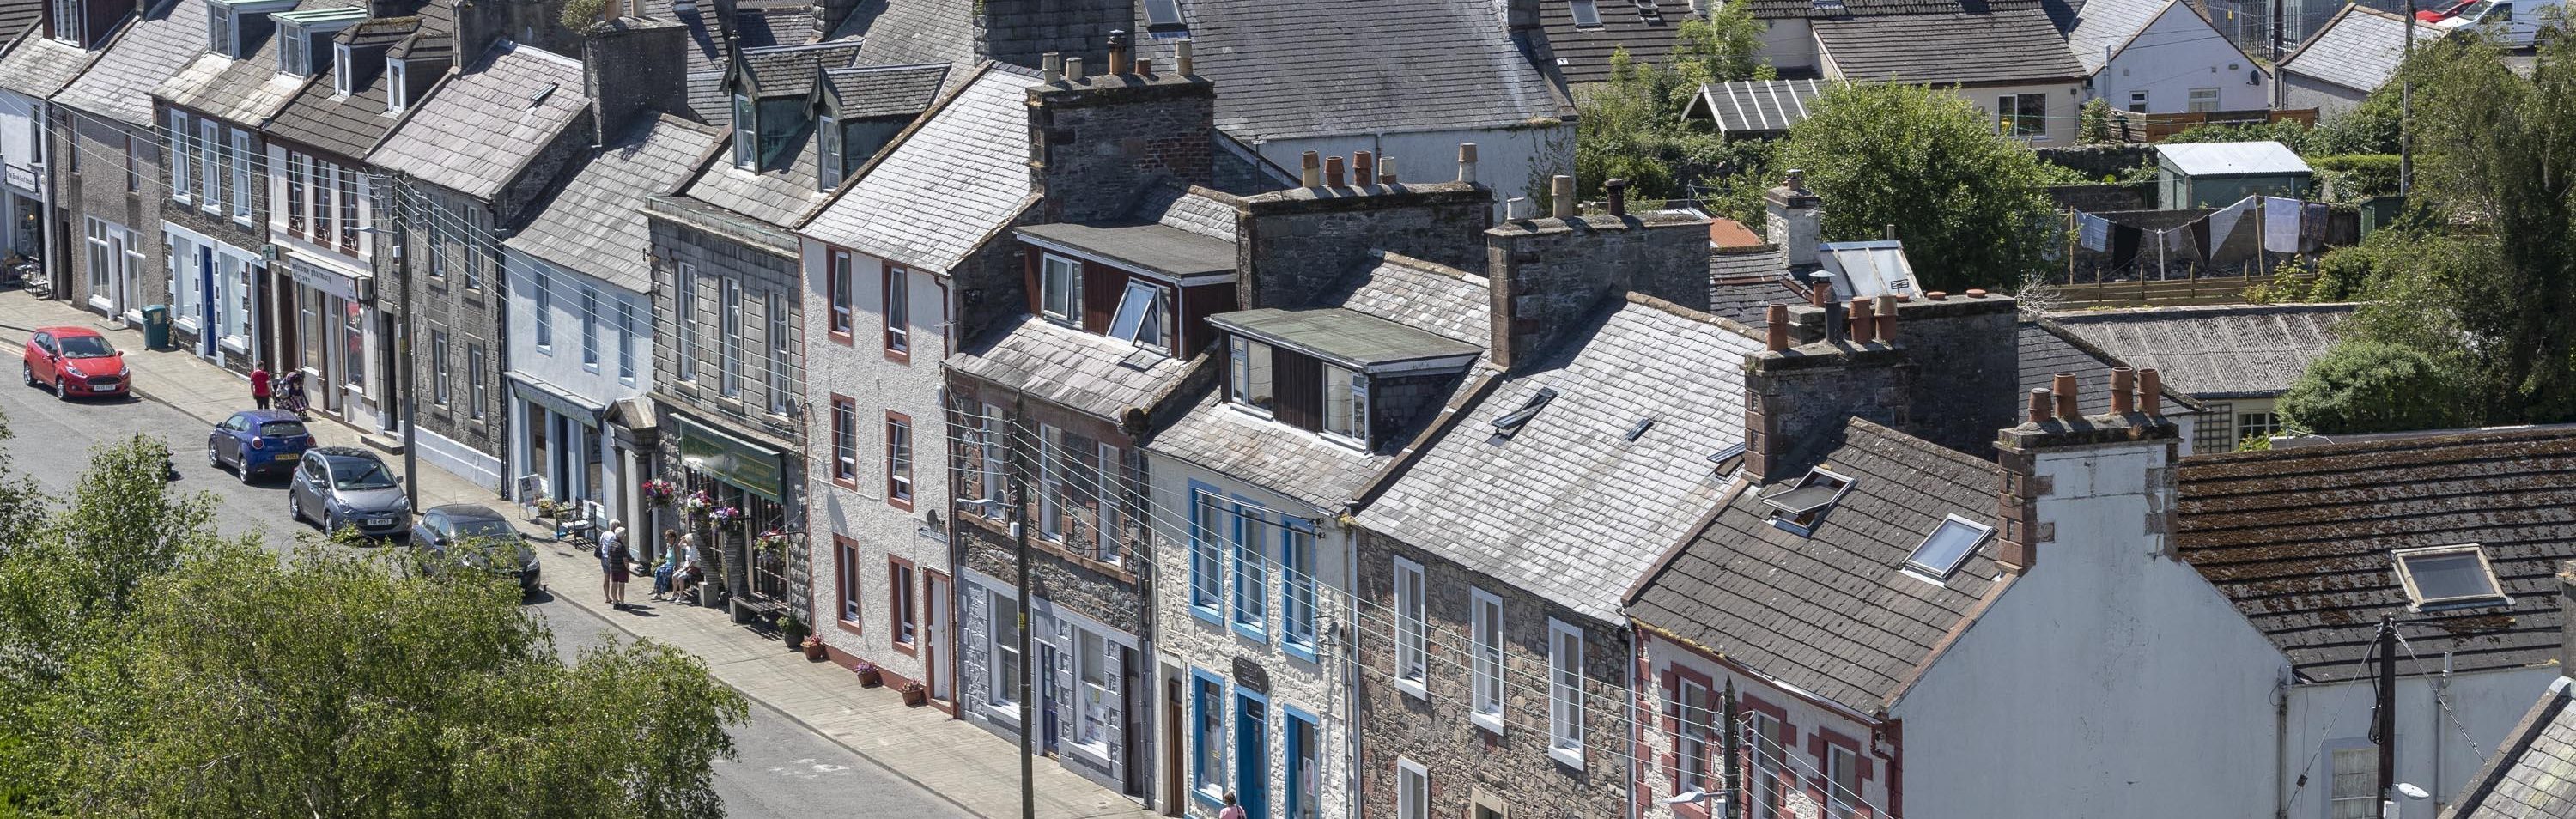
[
  {"x": 791, "y": 70},
  {"x": 2532, "y": 774},
  {"x": 908, "y": 32},
  {"x": 352, "y": 125},
  {"x": 1301, "y": 464},
  {"x": 593, "y": 225},
  {"x": 1195, "y": 209},
  {"x": 969, "y": 156},
  {"x": 246, "y": 91},
  {"x": 1993, "y": 47},
  {"x": 1070, "y": 368},
  {"x": 1566, "y": 508},
  {"x": 1646, "y": 30},
  {"x": 1743, "y": 284},
  {"x": 151, "y": 49},
  {"x": 755, "y": 26},
  {"x": 1756, "y": 106},
  {"x": 2102, "y": 27},
  {"x": 1332, "y": 67},
  {"x": 39, "y": 66},
  {"x": 2300, "y": 540},
  {"x": 484, "y": 124},
  {"x": 779, "y": 196},
  {"x": 884, "y": 91},
  {"x": 19, "y": 15},
  {"x": 1834, "y": 613},
  {"x": 1807, "y": 9},
  {"x": 2215, "y": 352},
  {"x": 2048, "y": 349},
  {"x": 2357, "y": 49}
]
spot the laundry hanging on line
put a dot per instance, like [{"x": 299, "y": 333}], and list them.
[
  {"x": 2281, "y": 224},
  {"x": 2092, "y": 231}
]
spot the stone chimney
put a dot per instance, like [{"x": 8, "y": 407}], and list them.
[
  {"x": 1022, "y": 32},
  {"x": 1548, "y": 275},
  {"x": 1791, "y": 394},
  {"x": 1096, "y": 141},
  {"x": 2108, "y": 471},
  {"x": 1794, "y": 219},
  {"x": 631, "y": 68},
  {"x": 1294, "y": 245},
  {"x": 1965, "y": 348}
]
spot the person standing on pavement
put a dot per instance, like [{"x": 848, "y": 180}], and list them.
[
  {"x": 612, "y": 561},
  {"x": 1232, "y": 810},
  {"x": 259, "y": 386}
]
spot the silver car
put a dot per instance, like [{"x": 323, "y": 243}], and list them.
[{"x": 338, "y": 486}]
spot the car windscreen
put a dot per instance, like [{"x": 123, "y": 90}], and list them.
[
  {"x": 282, "y": 429},
  {"x": 494, "y": 528},
  {"x": 360, "y": 473},
  {"x": 85, "y": 347}
]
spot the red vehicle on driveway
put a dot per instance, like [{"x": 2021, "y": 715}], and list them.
[{"x": 74, "y": 362}]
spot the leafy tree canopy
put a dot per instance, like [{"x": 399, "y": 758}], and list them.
[{"x": 2371, "y": 386}]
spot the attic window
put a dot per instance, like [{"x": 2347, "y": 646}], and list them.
[
  {"x": 304, "y": 37},
  {"x": 1510, "y": 425},
  {"x": 2448, "y": 577},
  {"x": 1803, "y": 506},
  {"x": 1949, "y": 544},
  {"x": 1638, "y": 430},
  {"x": 397, "y": 86},
  {"x": 1586, "y": 15},
  {"x": 340, "y": 77},
  {"x": 1163, "y": 19}
]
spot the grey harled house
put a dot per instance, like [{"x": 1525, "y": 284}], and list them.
[
  {"x": 48, "y": 56},
  {"x": 110, "y": 185}
]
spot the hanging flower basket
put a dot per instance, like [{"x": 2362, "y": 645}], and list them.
[
  {"x": 725, "y": 516},
  {"x": 660, "y": 493},
  {"x": 698, "y": 504},
  {"x": 772, "y": 541}
]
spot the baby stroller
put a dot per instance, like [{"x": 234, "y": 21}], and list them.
[{"x": 290, "y": 393}]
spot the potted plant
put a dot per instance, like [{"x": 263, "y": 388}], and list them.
[
  {"x": 868, "y": 675},
  {"x": 914, "y": 695},
  {"x": 660, "y": 493},
  {"x": 814, "y": 649},
  {"x": 773, "y": 541},
  {"x": 793, "y": 630}
]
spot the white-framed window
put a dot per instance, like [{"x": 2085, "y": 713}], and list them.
[
  {"x": 340, "y": 78},
  {"x": 1346, "y": 402},
  {"x": 1693, "y": 735},
  {"x": 541, "y": 294},
  {"x": 1140, "y": 317},
  {"x": 2137, "y": 102},
  {"x": 1842, "y": 777},
  {"x": 1094, "y": 664},
  {"x": 1006, "y": 651},
  {"x": 1485, "y": 634},
  {"x": 827, "y": 141},
  {"x": 1251, "y": 528},
  {"x": 777, "y": 371},
  {"x": 2202, "y": 100},
  {"x": 1050, "y": 484},
  {"x": 67, "y": 21},
  {"x": 1564, "y": 693},
  {"x": 1412, "y": 790},
  {"x": 1297, "y": 586},
  {"x": 988, "y": 449},
  {"x": 898, "y": 432},
  {"x": 1769, "y": 749},
  {"x": 1249, "y": 374},
  {"x": 627, "y": 333},
  {"x": 684, "y": 317},
  {"x": 1060, "y": 286},
  {"x": 729, "y": 336},
  {"x": 2022, "y": 116},
  {"x": 845, "y": 440},
  {"x": 294, "y": 51},
  {"x": 898, "y": 309},
  {"x": 234, "y": 273},
  {"x": 397, "y": 85},
  {"x": 180, "y": 189},
  {"x": 438, "y": 367},
  {"x": 744, "y": 131},
  {"x": 589, "y": 329},
  {"x": 244, "y": 147},
  {"x": 840, "y": 281},
  {"x": 1211, "y": 525},
  {"x": 2257, "y": 424},
  {"x": 2355, "y": 788},
  {"x": 1412, "y": 631},
  {"x": 475, "y": 384},
  {"x": 210, "y": 166}
]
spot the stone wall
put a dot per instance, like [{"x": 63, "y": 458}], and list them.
[
  {"x": 1792, "y": 395},
  {"x": 2098, "y": 198},
  {"x": 1022, "y": 32},
  {"x": 466, "y": 304},
  {"x": 218, "y": 224},
  {"x": 98, "y": 190},
  {"x": 1095, "y": 142},
  {"x": 2097, "y": 161},
  {"x": 1294, "y": 245},
  {"x": 631, "y": 68},
  {"x": 1966, "y": 355},
  {"x": 1549, "y": 275},
  {"x": 1468, "y": 765}
]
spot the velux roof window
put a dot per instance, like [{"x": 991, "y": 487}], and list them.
[
  {"x": 2448, "y": 577},
  {"x": 1802, "y": 506},
  {"x": 1949, "y": 545}
]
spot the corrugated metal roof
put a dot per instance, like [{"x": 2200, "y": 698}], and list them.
[
  {"x": 2232, "y": 158},
  {"x": 1756, "y": 106}
]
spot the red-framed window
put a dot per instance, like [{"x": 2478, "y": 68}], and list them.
[
  {"x": 904, "y": 626},
  {"x": 846, "y": 576},
  {"x": 845, "y": 441},
  {"x": 898, "y": 462},
  {"x": 838, "y": 281}
]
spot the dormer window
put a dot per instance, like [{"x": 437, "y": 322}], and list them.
[
  {"x": 397, "y": 86},
  {"x": 1803, "y": 506},
  {"x": 303, "y": 47},
  {"x": 67, "y": 21},
  {"x": 746, "y": 131},
  {"x": 1318, "y": 369},
  {"x": 234, "y": 27},
  {"x": 2448, "y": 577},
  {"x": 1060, "y": 285},
  {"x": 827, "y": 149},
  {"x": 1140, "y": 317},
  {"x": 1249, "y": 370},
  {"x": 340, "y": 78},
  {"x": 221, "y": 32}
]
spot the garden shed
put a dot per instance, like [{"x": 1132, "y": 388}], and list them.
[{"x": 2216, "y": 174}]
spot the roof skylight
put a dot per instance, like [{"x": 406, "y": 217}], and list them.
[
  {"x": 1802, "y": 506},
  {"x": 2448, "y": 577},
  {"x": 1510, "y": 425},
  {"x": 1949, "y": 544}
]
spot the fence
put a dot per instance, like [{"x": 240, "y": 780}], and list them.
[
  {"x": 2129, "y": 126},
  {"x": 2197, "y": 290}
]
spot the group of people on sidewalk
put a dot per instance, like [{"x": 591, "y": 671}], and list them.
[
  {"x": 675, "y": 577},
  {"x": 288, "y": 392}
]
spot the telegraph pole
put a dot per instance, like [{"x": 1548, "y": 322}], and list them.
[
  {"x": 2406, "y": 107},
  {"x": 2383, "y": 731},
  {"x": 1734, "y": 745},
  {"x": 1020, "y": 540},
  {"x": 404, "y": 345}
]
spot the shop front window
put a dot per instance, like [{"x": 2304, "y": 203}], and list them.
[{"x": 355, "y": 324}]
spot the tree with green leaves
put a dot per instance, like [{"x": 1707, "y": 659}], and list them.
[
  {"x": 1968, "y": 203},
  {"x": 2371, "y": 386},
  {"x": 1631, "y": 126}
]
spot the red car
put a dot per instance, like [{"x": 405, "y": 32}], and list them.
[{"x": 75, "y": 362}]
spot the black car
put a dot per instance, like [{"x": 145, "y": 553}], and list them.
[{"x": 473, "y": 536}]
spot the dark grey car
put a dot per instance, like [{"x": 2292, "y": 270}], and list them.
[
  {"x": 338, "y": 486},
  {"x": 472, "y": 536}
]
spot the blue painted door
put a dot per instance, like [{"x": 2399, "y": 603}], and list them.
[
  {"x": 1252, "y": 756},
  {"x": 207, "y": 333}
]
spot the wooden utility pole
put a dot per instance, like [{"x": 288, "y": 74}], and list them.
[
  {"x": 1020, "y": 538},
  {"x": 2383, "y": 730},
  {"x": 1734, "y": 746},
  {"x": 2406, "y": 107}
]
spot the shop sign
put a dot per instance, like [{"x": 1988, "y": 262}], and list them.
[{"x": 758, "y": 470}]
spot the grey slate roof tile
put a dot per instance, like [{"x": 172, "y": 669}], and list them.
[
  {"x": 2300, "y": 538},
  {"x": 594, "y": 224},
  {"x": 349, "y": 126},
  {"x": 2048, "y": 349},
  {"x": 39, "y": 67},
  {"x": 1203, "y": 211},
  {"x": 1805, "y": 9},
  {"x": 778, "y": 196},
  {"x": 2532, "y": 774},
  {"x": 1567, "y": 509},
  {"x": 249, "y": 90},
  {"x": 909, "y": 32},
  {"x": 1743, "y": 285},
  {"x": 2002, "y": 46},
  {"x": 2102, "y": 27},
  {"x": 884, "y": 91},
  {"x": 1423, "y": 295},
  {"x": 969, "y": 156},
  {"x": 2222, "y": 351},
  {"x": 487, "y": 122},
  {"x": 19, "y": 15},
  {"x": 790, "y": 70},
  {"x": 119, "y": 85},
  {"x": 2357, "y": 49},
  {"x": 1585, "y": 50},
  {"x": 1070, "y": 368},
  {"x": 1327, "y": 67}
]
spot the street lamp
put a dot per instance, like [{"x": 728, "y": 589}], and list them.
[{"x": 1715, "y": 801}]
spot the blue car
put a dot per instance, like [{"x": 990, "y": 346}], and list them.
[{"x": 253, "y": 442}]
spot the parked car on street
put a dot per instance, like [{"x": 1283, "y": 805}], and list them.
[
  {"x": 338, "y": 486},
  {"x": 256, "y": 442},
  {"x": 74, "y": 362},
  {"x": 465, "y": 535}
]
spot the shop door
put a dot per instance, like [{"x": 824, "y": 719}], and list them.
[
  {"x": 207, "y": 331},
  {"x": 1048, "y": 657},
  {"x": 1252, "y": 755}
]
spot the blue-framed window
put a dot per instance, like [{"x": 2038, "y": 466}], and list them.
[
  {"x": 1252, "y": 753},
  {"x": 1297, "y": 588},
  {"x": 1207, "y": 737},
  {"x": 1251, "y": 571},
  {"x": 1302, "y": 738},
  {"x": 1208, "y": 518}
]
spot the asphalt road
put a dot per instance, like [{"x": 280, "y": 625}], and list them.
[{"x": 784, "y": 770}]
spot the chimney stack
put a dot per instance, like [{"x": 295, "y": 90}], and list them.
[
  {"x": 1618, "y": 189},
  {"x": 1386, "y": 170},
  {"x": 1793, "y": 219},
  {"x": 2123, "y": 382},
  {"x": 1775, "y": 327},
  {"x": 2039, "y": 401},
  {"x": 1144, "y": 67},
  {"x": 2063, "y": 385},
  {"x": 2151, "y": 392},
  {"x": 1560, "y": 194},
  {"x": 1181, "y": 58},
  {"x": 1073, "y": 70},
  {"x": 1118, "y": 43},
  {"x": 1051, "y": 70},
  {"x": 1886, "y": 312},
  {"x": 1310, "y": 169},
  {"x": 1333, "y": 171},
  {"x": 1466, "y": 162},
  {"x": 1363, "y": 168},
  {"x": 1821, "y": 291},
  {"x": 1863, "y": 329}
]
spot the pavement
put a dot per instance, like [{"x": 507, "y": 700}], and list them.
[{"x": 847, "y": 745}]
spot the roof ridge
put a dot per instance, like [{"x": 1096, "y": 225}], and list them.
[
  {"x": 1679, "y": 311},
  {"x": 2347, "y": 448},
  {"x": 2195, "y": 310}
]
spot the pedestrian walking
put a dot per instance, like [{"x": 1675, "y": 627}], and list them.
[
  {"x": 1232, "y": 810},
  {"x": 259, "y": 386},
  {"x": 612, "y": 563}
]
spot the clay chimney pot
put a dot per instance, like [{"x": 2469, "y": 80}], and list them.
[
  {"x": 2063, "y": 386},
  {"x": 2123, "y": 384}
]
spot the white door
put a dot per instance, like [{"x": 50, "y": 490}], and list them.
[{"x": 934, "y": 661}]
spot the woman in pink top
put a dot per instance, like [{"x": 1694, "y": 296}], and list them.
[{"x": 1232, "y": 810}]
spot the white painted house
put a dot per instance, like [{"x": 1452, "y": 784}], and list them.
[{"x": 2162, "y": 57}]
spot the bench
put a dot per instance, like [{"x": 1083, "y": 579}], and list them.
[{"x": 758, "y": 612}]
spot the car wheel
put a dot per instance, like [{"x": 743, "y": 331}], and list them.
[
  {"x": 330, "y": 522},
  {"x": 294, "y": 505},
  {"x": 244, "y": 472},
  {"x": 61, "y": 393},
  {"x": 212, "y": 460},
  {"x": 27, "y": 372}
]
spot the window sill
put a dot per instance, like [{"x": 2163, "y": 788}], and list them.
[
  {"x": 101, "y": 303},
  {"x": 841, "y": 337},
  {"x": 851, "y": 626},
  {"x": 1006, "y": 713},
  {"x": 1492, "y": 723},
  {"x": 1568, "y": 757},
  {"x": 1207, "y": 614},
  {"x": 904, "y": 504},
  {"x": 1251, "y": 632},
  {"x": 1097, "y": 752},
  {"x": 1303, "y": 651},
  {"x": 236, "y": 344},
  {"x": 907, "y": 648},
  {"x": 903, "y": 357},
  {"x": 1414, "y": 689},
  {"x": 1209, "y": 795}
]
